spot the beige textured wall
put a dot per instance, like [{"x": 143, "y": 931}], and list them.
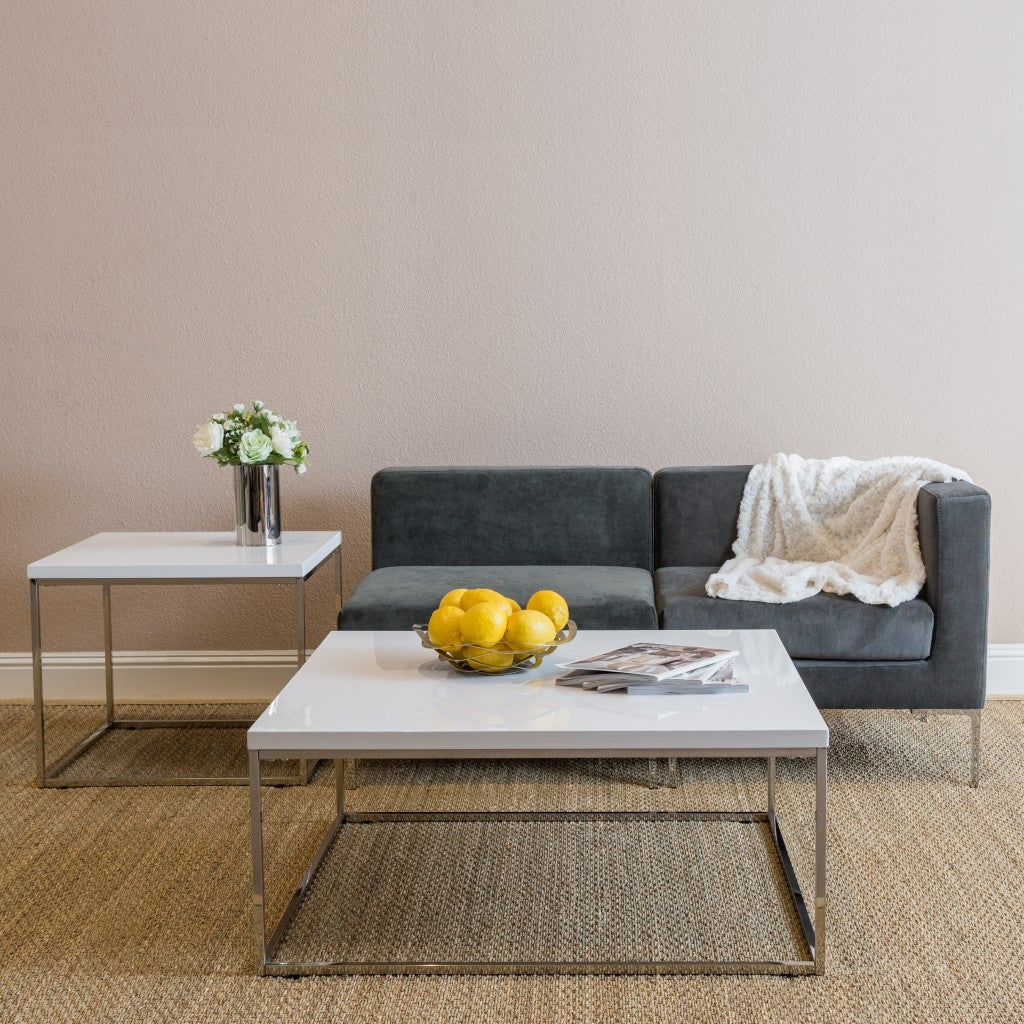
[{"x": 497, "y": 232}]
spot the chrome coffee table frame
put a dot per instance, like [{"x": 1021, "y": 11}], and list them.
[
  {"x": 49, "y": 776},
  {"x": 813, "y": 931}
]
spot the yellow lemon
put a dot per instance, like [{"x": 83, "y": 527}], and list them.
[
  {"x": 528, "y": 629},
  {"x": 505, "y": 603},
  {"x": 443, "y": 628},
  {"x": 515, "y": 605},
  {"x": 484, "y": 623},
  {"x": 477, "y": 596},
  {"x": 490, "y": 658},
  {"x": 453, "y": 597},
  {"x": 552, "y": 605}
]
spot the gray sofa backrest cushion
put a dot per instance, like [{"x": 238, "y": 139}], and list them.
[
  {"x": 576, "y": 515},
  {"x": 695, "y": 513}
]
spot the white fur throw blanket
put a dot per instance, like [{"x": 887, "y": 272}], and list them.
[{"x": 838, "y": 525}]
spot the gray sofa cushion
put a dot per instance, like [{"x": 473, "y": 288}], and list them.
[
  {"x": 574, "y": 515},
  {"x": 825, "y": 626},
  {"x": 695, "y": 513},
  {"x": 600, "y": 597}
]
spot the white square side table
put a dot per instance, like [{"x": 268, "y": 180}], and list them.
[{"x": 139, "y": 559}]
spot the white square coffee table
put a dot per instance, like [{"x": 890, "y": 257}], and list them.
[
  {"x": 381, "y": 695},
  {"x": 135, "y": 559}
]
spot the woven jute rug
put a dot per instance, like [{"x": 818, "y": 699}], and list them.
[{"x": 133, "y": 904}]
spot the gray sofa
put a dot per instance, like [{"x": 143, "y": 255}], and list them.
[{"x": 627, "y": 551}]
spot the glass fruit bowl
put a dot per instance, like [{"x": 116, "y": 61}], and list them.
[{"x": 522, "y": 660}]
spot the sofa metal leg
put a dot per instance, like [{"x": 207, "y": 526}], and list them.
[
  {"x": 975, "y": 747},
  {"x": 672, "y": 777},
  {"x": 974, "y": 714}
]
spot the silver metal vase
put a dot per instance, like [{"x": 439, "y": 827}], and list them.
[{"x": 257, "y": 506}]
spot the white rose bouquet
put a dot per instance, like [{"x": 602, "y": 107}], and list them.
[{"x": 251, "y": 437}]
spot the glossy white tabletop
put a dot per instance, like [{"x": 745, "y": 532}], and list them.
[
  {"x": 380, "y": 694},
  {"x": 168, "y": 556}
]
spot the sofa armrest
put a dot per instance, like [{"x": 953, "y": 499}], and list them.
[{"x": 953, "y": 521}]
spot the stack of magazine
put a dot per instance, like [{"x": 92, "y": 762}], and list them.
[{"x": 657, "y": 669}]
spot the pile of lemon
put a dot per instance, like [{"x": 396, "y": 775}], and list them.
[{"x": 490, "y": 631}]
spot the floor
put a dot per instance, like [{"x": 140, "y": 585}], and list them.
[{"x": 133, "y": 904}]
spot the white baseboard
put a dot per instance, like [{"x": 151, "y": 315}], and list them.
[
  {"x": 141, "y": 676},
  {"x": 231, "y": 676},
  {"x": 1005, "y": 670}
]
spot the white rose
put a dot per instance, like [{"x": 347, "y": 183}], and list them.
[
  {"x": 209, "y": 438},
  {"x": 283, "y": 442},
  {"x": 300, "y": 468},
  {"x": 239, "y": 407},
  {"x": 254, "y": 447}
]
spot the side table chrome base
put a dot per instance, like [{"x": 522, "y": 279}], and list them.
[{"x": 54, "y": 779}]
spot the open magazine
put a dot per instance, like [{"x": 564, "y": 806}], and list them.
[{"x": 657, "y": 668}]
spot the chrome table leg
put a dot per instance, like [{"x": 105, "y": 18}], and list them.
[
  {"x": 820, "y": 834},
  {"x": 108, "y": 654},
  {"x": 339, "y": 784},
  {"x": 300, "y": 653},
  {"x": 337, "y": 582},
  {"x": 256, "y": 831},
  {"x": 37, "y": 683}
]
